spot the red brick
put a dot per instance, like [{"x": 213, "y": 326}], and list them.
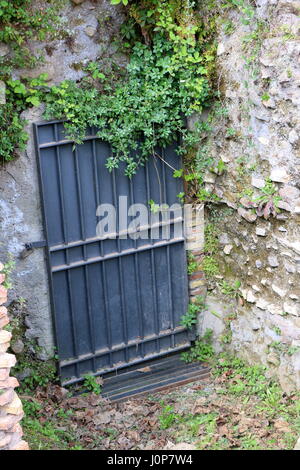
[
  {"x": 197, "y": 275},
  {"x": 198, "y": 291},
  {"x": 197, "y": 252}
]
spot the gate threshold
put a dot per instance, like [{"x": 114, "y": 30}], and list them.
[{"x": 151, "y": 377}]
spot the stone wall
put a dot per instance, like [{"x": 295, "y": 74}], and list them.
[
  {"x": 11, "y": 411},
  {"x": 259, "y": 210}
]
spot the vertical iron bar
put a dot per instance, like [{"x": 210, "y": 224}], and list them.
[
  {"x": 121, "y": 283},
  {"x": 102, "y": 263},
  {"x": 106, "y": 310},
  {"x": 61, "y": 194},
  {"x": 148, "y": 195},
  {"x": 164, "y": 177},
  {"x": 90, "y": 315},
  {"x": 137, "y": 282},
  {"x": 169, "y": 274},
  {"x": 79, "y": 193},
  {"x": 123, "y": 306},
  {"x": 73, "y": 323},
  {"x": 153, "y": 280},
  {"x": 96, "y": 179},
  {"x": 170, "y": 297}
]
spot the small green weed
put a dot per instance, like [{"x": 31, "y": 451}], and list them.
[
  {"x": 167, "y": 417},
  {"x": 90, "y": 383},
  {"x": 202, "y": 350},
  {"x": 190, "y": 318}
]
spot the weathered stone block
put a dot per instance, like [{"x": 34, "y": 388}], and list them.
[
  {"x": 279, "y": 175},
  {"x": 7, "y": 360},
  {"x": 22, "y": 445},
  {"x": 15, "y": 406},
  {"x": 17, "y": 346},
  {"x": 10, "y": 382},
  {"x": 8, "y": 421},
  {"x": 4, "y": 321},
  {"x": 4, "y": 439},
  {"x": 247, "y": 215},
  {"x": 3, "y": 311},
  {"x": 196, "y": 283},
  {"x": 4, "y": 347},
  {"x": 6, "y": 397},
  {"x": 5, "y": 336},
  {"x": 4, "y": 373},
  {"x": 17, "y": 428}
]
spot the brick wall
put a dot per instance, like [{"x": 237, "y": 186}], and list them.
[
  {"x": 194, "y": 235},
  {"x": 11, "y": 411}
]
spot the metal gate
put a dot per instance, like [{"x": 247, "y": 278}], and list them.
[{"x": 116, "y": 302}]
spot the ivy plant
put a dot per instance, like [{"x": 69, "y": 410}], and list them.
[
  {"x": 19, "y": 96},
  {"x": 166, "y": 81}
]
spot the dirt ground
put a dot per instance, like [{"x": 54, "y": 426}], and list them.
[{"x": 234, "y": 409}]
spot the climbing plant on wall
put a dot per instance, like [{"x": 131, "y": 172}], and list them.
[
  {"x": 21, "y": 21},
  {"x": 167, "y": 79},
  {"x": 169, "y": 76}
]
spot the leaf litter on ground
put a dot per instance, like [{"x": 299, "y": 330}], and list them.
[{"x": 211, "y": 414}]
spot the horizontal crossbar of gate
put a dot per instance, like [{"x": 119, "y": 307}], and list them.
[
  {"x": 131, "y": 251},
  {"x": 119, "y": 347},
  {"x": 115, "y": 235}
]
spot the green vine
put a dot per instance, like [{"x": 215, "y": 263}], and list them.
[
  {"x": 21, "y": 21},
  {"x": 138, "y": 110},
  {"x": 166, "y": 80}
]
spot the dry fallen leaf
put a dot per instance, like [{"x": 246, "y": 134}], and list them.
[{"x": 282, "y": 426}]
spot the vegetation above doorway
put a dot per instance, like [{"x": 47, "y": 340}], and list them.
[
  {"x": 171, "y": 57},
  {"x": 171, "y": 51}
]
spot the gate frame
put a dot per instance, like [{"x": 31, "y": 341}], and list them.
[{"x": 191, "y": 333}]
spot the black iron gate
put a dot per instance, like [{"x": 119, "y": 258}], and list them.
[{"x": 116, "y": 302}]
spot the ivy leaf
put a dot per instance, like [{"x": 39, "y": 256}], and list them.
[
  {"x": 34, "y": 100},
  {"x": 178, "y": 173}
]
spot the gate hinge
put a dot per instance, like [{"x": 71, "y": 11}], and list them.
[
  {"x": 32, "y": 245},
  {"x": 29, "y": 247}
]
